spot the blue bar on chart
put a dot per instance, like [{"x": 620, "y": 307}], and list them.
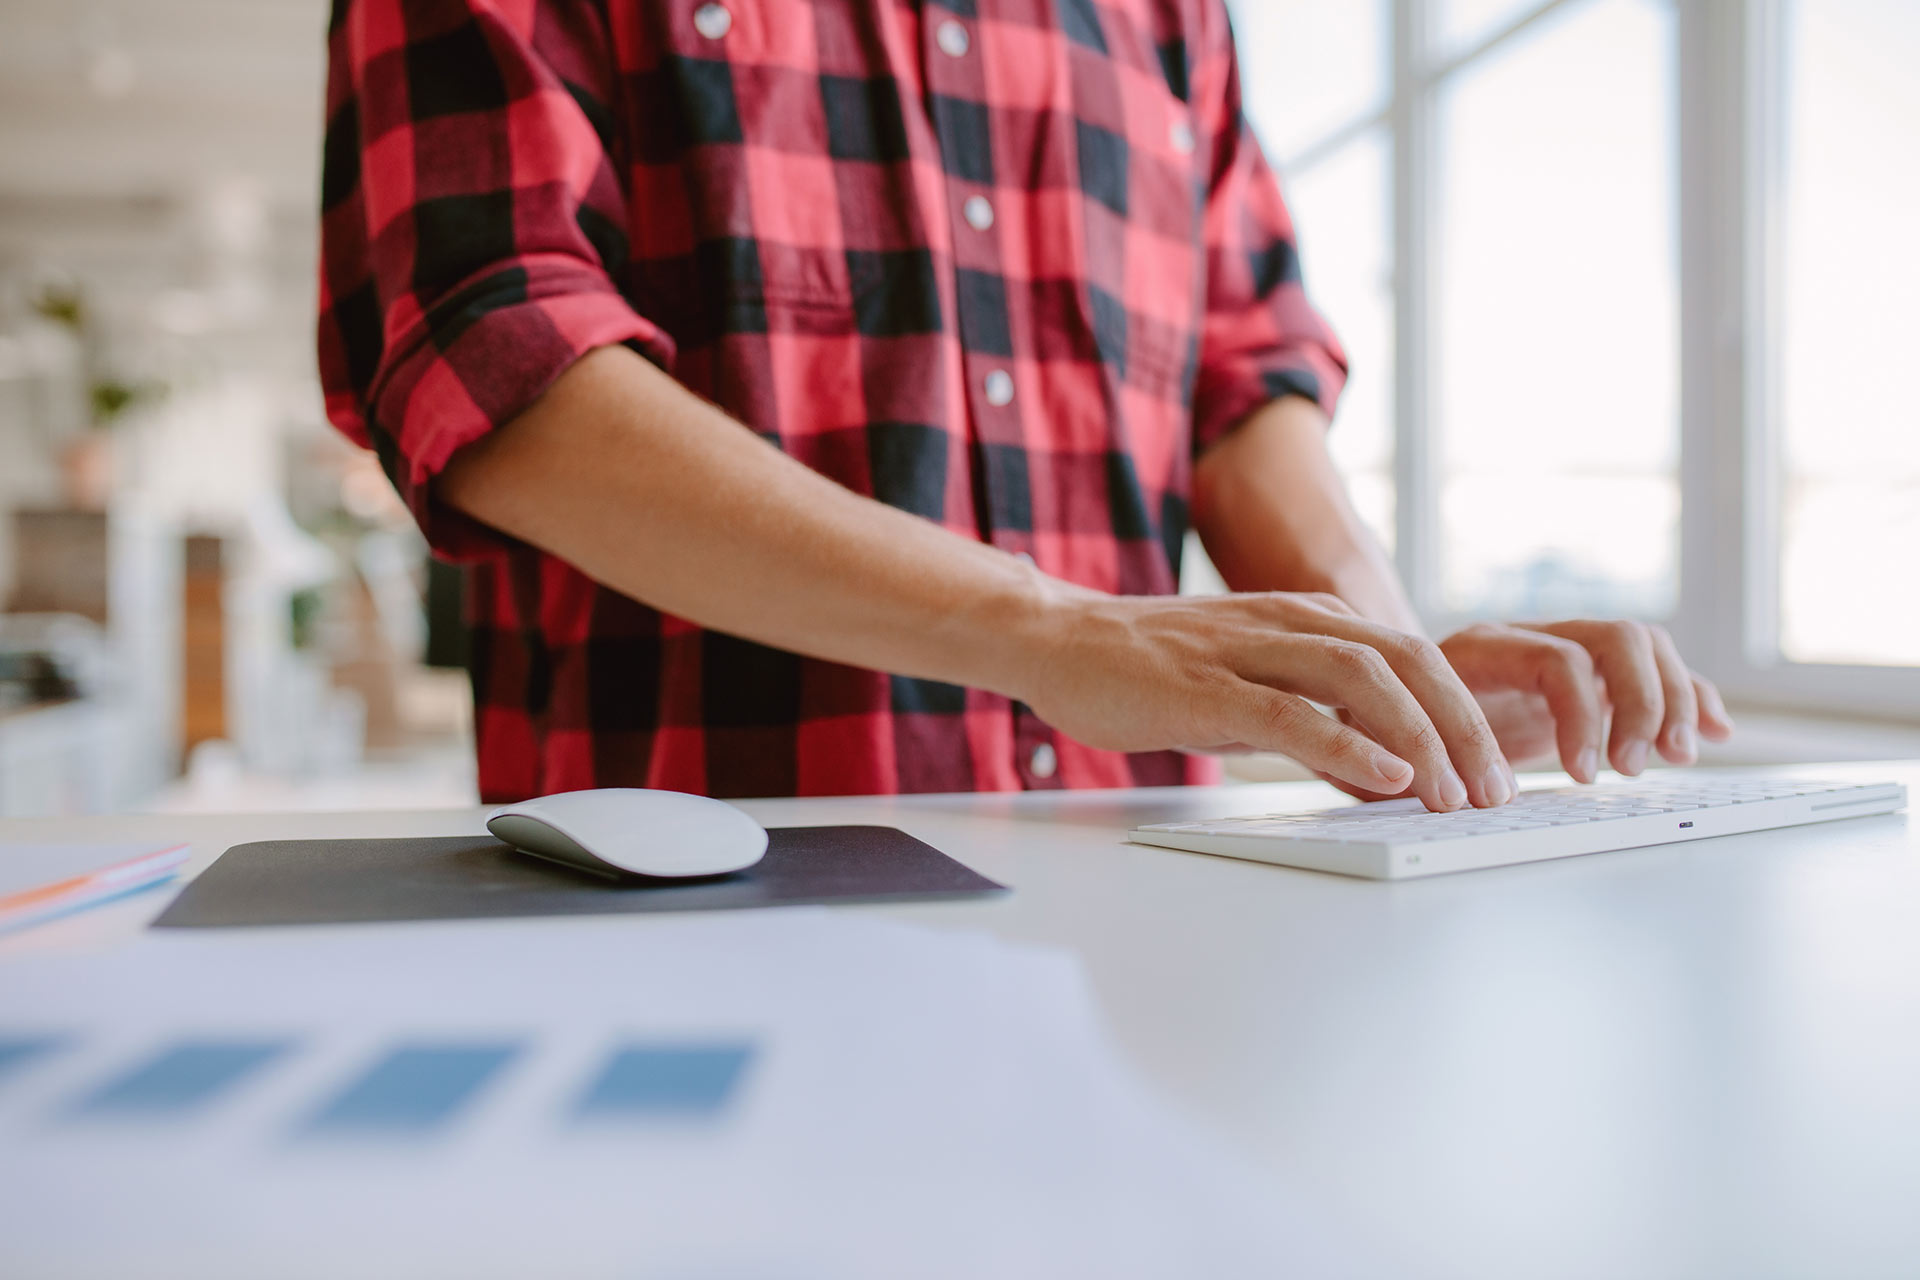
[
  {"x": 182, "y": 1079},
  {"x": 665, "y": 1081},
  {"x": 413, "y": 1089},
  {"x": 17, "y": 1051}
]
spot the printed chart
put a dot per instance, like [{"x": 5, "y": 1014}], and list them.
[
  {"x": 797, "y": 1094},
  {"x": 415, "y": 1089}
]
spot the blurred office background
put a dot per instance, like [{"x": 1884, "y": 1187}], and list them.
[{"x": 1627, "y": 285}]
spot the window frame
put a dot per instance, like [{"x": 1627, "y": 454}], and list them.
[
  {"x": 1731, "y": 79},
  {"x": 1732, "y": 153}
]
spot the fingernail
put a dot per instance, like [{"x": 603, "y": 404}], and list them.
[
  {"x": 1394, "y": 771},
  {"x": 1495, "y": 785},
  {"x": 1634, "y": 758},
  {"x": 1685, "y": 744},
  {"x": 1453, "y": 792},
  {"x": 1587, "y": 767}
]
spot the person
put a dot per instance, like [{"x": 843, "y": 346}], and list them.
[{"x": 821, "y": 392}]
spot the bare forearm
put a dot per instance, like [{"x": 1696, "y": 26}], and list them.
[
  {"x": 1274, "y": 515},
  {"x": 657, "y": 494},
  {"x": 660, "y": 496}
]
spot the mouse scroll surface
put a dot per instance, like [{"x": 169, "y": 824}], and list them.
[
  {"x": 629, "y": 831},
  {"x": 542, "y": 841}
]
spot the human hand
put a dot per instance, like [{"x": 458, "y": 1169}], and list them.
[
  {"x": 1236, "y": 672},
  {"x": 1588, "y": 690}
]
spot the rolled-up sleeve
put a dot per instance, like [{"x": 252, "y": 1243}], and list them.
[
  {"x": 1261, "y": 338},
  {"x": 472, "y": 224}
]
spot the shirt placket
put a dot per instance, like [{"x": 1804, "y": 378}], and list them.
[{"x": 955, "y": 71}]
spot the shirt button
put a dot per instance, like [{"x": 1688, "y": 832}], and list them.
[
  {"x": 1181, "y": 135},
  {"x": 999, "y": 388},
  {"x": 1045, "y": 761},
  {"x": 712, "y": 21},
  {"x": 953, "y": 39},
  {"x": 979, "y": 212}
]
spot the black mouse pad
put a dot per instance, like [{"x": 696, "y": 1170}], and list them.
[{"x": 477, "y": 877}]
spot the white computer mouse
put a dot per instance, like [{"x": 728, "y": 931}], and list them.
[{"x": 625, "y": 830}]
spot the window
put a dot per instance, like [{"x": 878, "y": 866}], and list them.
[
  {"x": 1623, "y": 286},
  {"x": 1849, "y": 331},
  {"x": 1339, "y": 203},
  {"x": 1555, "y": 377},
  {"x": 1461, "y": 24},
  {"x": 1342, "y": 203}
]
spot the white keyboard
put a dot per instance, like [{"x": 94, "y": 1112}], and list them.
[{"x": 1399, "y": 839}]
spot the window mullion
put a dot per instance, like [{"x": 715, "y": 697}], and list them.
[
  {"x": 1729, "y": 170},
  {"x": 1763, "y": 94},
  {"x": 1416, "y": 476},
  {"x": 1715, "y": 335}
]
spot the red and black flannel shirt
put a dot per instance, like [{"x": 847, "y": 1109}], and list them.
[{"x": 1005, "y": 264}]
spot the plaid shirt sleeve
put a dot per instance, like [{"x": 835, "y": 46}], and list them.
[
  {"x": 1261, "y": 339},
  {"x": 472, "y": 218}
]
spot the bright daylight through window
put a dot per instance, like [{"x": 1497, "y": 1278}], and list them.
[
  {"x": 1540, "y": 473},
  {"x": 1339, "y": 203},
  {"x": 1556, "y": 373},
  {"x": 1850, "y": 328}
]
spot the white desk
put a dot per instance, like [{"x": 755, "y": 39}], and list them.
[{"x": 1698, "y": 1061}]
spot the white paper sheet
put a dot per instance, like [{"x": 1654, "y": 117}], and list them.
[{"x": 917, "y": 1104}]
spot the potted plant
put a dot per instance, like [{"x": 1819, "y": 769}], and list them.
[{"x": 86, "y": 461}]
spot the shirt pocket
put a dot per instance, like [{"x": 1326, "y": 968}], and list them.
[
  {"x": 737, "y": 196},
  {"x": 1138, "y": 153}
]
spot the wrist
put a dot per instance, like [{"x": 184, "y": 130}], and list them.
[
  {"x": 1020, "y": 635},
  {"x": 1368, "y": 584}
]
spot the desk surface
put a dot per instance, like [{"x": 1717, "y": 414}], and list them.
[{"x": 1695, "y": 1060}]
